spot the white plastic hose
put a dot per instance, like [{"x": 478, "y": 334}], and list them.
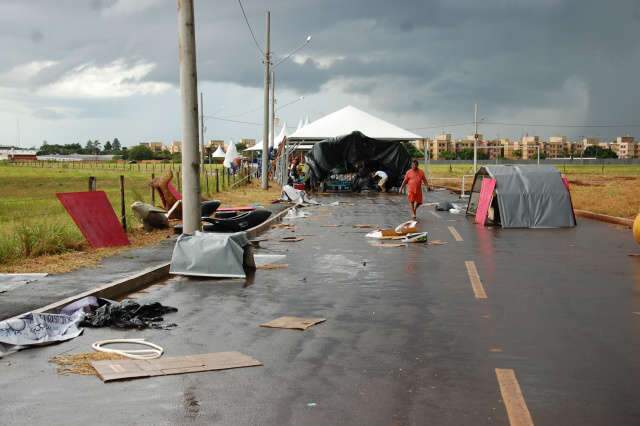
[{"x": 153, "y": 353}]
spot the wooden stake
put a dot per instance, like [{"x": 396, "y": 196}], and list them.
[
  {"x": 123, "y": 211},
  {"x": 92, "y": 183}
]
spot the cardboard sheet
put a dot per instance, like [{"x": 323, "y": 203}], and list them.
[
  {"x": 294, "y": 323},
  {"x": 92, "y": 213},
  {"x": 133, "y": 369}
]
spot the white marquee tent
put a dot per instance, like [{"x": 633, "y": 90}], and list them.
[
  {"x": 347, "y": 120},
  {"x": 218, "y": 153}
]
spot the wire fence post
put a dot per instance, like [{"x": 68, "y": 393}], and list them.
[
  {"x": 123, "y": 210},
  {"x": 92, "y": 183},
  {"x": 153, "y": 191},
  {"x": 217, "y": 181}
]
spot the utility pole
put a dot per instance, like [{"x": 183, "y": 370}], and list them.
[
  {"x": 265, "y": 130},
  {"x": 273, "y": 109},
  {"x": 189, "y": 100},
  {"x": 201, "y": 130},
  {"x": 475, "y": 139}
]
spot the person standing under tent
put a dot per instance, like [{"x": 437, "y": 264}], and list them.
[{"x": 413, "y": 181}]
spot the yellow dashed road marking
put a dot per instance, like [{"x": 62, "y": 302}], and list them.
[
  {"x": 455, "y": 233},
  {"x": 476, "y": 284},
  {"x": 513, "y": 399}
]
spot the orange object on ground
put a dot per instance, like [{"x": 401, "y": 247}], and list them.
[{"x": 636, "y": 229}]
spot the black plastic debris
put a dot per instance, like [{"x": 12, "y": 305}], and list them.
[{"x": 129, "y": 314}]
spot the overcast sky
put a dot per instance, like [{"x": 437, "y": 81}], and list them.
[{"x": 99, "y": 69}]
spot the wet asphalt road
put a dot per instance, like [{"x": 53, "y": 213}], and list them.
[{"x": 405, "y": 341}]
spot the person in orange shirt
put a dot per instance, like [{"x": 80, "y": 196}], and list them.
[{"x": 413, "y": 181}]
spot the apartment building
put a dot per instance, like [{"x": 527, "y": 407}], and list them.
[
  {"x": 625, "y": 147},
  {"x": 175, "y": 147},
  {"x": 247, "y": 142},
  {"x": 555, "y": 147},
  {"x": 154, "y": 146},
  {"x": 441, "y": 143},
  {"x": 530, "y": 147},
  {"x": 213, "y": 144}
]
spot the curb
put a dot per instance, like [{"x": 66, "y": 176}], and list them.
[
  {"x": 605, "y": 218},
  {"x": 582, "y": 213},
  {"x": 143, "y": 279},
  {"x": 266, "y": 225}
]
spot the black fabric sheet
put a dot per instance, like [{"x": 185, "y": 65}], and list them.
[{"x": 345, "y": 153}]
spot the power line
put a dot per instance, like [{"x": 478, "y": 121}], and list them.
[
  {"x": 232, "y": 121},
  {"x": 253, "y": 36},
  {"x": 442, "y": 125},
  {"x": 560, "y": 125}
]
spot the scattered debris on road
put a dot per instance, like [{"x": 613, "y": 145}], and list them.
[
  {"x": 80, "y": 363},
  {"x": 294, "y": 323},
  {"x": 153, "y": 352},
  {"x": 387, "y": 245},
  {"x": 134, "y": 369},
  {"x": 291, "y": 239},
  {"x": 128, "y": 314}
]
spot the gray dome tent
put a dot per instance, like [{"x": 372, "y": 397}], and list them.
[{"x": 525, "y": 196}]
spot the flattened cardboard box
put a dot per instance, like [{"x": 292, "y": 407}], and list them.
[
  {"x": 295, "y": 323},
  {"x": 133, "y": 369}
]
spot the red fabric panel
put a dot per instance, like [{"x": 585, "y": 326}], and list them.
[
  {"x": 236, "y": 209},
  {"x": 566, "y": 183},
  {"x": 486, "y": 195},
  {"x": 176, "y": 194},
  {"x": 93, "y": 214}
]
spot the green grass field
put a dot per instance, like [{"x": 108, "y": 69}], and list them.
[{"x": 32, "y": 220}]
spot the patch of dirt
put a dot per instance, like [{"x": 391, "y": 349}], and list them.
[{"x": 81, "y": 363}]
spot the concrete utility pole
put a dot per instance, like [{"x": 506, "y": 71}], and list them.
[
  {"x": 189, "y": 98},
  {"x": 265, "y": 130},
  {"x": 273, "y": 110},
  {"x": 201, "y": 129},
  {"x": 475, "y": 139}
]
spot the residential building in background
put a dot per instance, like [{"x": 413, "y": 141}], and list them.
[
  {"x": 247, "y": 142},
  {"x": 154, "y": 146},
  {"x": 625, "y": 147},
  {"x": 175, "y": 147},
  {"x": 213, "y": 144}
]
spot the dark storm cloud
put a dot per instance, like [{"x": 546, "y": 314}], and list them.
[{"x": 503, "y": 53}]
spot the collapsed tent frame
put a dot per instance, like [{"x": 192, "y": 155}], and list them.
[{"x": 525, "y": 196}]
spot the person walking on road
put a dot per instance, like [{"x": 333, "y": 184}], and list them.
[{"x": 413, "y": 180}]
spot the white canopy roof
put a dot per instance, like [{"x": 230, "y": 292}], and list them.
[
  {"x": 281, "y": 135},
  {"x": 218, "y": 153},
  {"x": 347, "y": 120},
  {"x": 232, "y": 154}
]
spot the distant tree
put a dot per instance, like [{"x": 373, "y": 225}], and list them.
[
  {"x": 413, "y": 151},
  {"x": 517, "y": 153},
  {"x": 139, "y": 152},
  {"x": 176, "y": 157},
  {"x": 107, "y": 147},
  {"x": 241, "y": 146},
  {"x": 448, "y": 155},
  {"x": 599, "y": 152},
  {"x": 96, "y": 147},
  {"x": 162, "y": 155},
  {"x": 116, "y": 145},
  {"x": 465, "y": 154}
]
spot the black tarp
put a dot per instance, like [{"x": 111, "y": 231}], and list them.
[{"x": 343, "y": 153}]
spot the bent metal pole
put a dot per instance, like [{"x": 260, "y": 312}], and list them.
[{"x": 189, "y": 101}]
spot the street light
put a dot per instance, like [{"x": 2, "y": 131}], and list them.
[{"x": 307, "y": 40}]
